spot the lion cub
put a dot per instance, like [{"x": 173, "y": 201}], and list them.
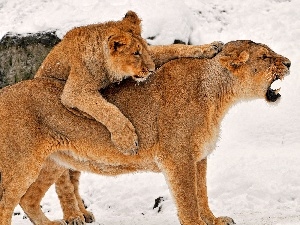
[{"x": 91, "y": 57}]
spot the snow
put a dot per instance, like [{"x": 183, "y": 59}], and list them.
[{"x": 253, "y": 175}]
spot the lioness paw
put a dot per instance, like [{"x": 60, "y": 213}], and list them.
[
  {"x": 89, "y": 217},
  {"x": 212, "y": 49},
  {"x": 125, "y": 139},
  {"x": 224, "y": 221},
  {"x": 76, "y": 221},
  {"x": 58, "y": 222}
]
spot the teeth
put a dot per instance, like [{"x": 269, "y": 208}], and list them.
[
  {"x": 276, "y": 85},
  {"x": 277, "y": 91}
]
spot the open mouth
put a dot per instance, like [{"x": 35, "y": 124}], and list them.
[
  {"x": 272, "y": 94},
  {"x": 138, "y": 77}
]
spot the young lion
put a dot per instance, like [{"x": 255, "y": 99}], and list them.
[
  {"x": 91, "y": 57},
  {"x": 177, "y": 116}
]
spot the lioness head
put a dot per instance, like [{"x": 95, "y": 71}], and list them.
[
  {"x": 127, "y": 51},
  {"x": 256, "y": 67}
]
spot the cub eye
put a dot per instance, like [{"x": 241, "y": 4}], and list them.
[{"x": 137, "y": 53}]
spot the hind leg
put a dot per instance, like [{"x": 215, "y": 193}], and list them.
[
  {"x": 30, "y": 202},
  {"x": 7, "y": 204},
  {"x": 11, "y": 195},
  {"x": 13, "y": 186}
]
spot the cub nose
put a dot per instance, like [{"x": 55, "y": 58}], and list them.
[{"x": 151, "y": 67}]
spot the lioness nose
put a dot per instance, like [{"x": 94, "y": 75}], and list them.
[{"x": 287, "y": 63}]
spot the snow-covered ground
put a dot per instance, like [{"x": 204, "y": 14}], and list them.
[{"x": 254, "y": 174}]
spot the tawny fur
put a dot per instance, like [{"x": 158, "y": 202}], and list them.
[
  {"x": 89, "y": 58},
  {"x": 1, "y": 189},
  {"x": 176, "y": 113}
]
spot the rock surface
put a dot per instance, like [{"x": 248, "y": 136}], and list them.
[{"x": 21, "y": 55}]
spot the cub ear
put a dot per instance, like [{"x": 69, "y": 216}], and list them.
[
  {"x": 132, "y": 17},
  {"x": 132, "y": 23},
  {"x": 117, "y": 43},
  {"x": 234, "y": 60}
]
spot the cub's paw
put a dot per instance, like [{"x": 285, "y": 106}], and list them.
[
  {"x": 125, "y": 139},
  {"x": 213, "y": 49},
  {"x": 89, "y": 217},
  {"x": 224, "y": 221}
]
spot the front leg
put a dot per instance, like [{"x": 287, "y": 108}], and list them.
[
  {"x": 181, "y": 176},
  {"x": 74, "y": 178},
  {"x": 163, "y": 53},
  {"x": 83, "y": 94},
  {"x": 73, "y": 209},
  {"x": 205, "y": 211}
]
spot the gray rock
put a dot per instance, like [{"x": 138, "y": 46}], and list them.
[{"x": 21, "y": 55}]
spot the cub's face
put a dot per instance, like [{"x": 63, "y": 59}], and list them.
[
  {"x": 129, "y": 57},
  {"x": 257, "y": 68}
]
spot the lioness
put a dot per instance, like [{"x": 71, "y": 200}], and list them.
[
  {"x": 91, "y": 57},
  {"x": 177, "y": 116}
]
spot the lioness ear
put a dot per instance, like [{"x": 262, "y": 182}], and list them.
[
  {"x": 234, "y": 61},
  {"x": 116, "y": 43},
  {"x": 132, "y": 23},
  {"x": 243, "y": 58}
]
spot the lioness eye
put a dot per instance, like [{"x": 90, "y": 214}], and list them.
[
  {"x": 264, "y": 56},
  {"x": 137, "y": 53}
]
